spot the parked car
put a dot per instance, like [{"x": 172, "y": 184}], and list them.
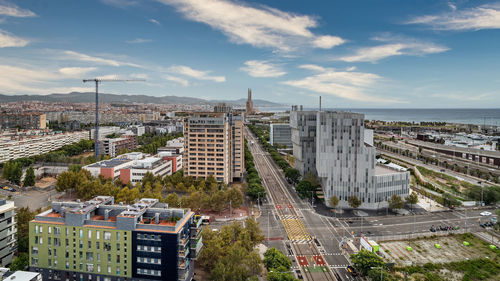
[{"x": 485, "y": 213}]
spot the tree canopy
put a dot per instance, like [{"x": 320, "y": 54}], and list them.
[
  {"x": 396, "y": 202},
  {"x": 354, "y": 202}
]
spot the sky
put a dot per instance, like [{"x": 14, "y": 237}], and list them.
[{"x": 355, "y": 54}]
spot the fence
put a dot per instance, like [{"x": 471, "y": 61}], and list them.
[{"x": 415, "y": 235}]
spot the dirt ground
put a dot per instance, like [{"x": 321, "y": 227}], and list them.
[
  {"x": 45, "y": 182},
  {"x": 424, "y": 250}
]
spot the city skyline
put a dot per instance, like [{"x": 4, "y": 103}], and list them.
[{"x": 379, "y": 55}]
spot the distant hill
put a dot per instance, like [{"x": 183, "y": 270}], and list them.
[{"x": 77, "y": 97}]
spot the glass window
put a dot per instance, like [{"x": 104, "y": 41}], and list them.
[
  {"x": 107, "y": 235},
  {"x": 90, "y": 234}
]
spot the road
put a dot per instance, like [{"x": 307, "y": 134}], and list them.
[{"x": 310, "y": 240}]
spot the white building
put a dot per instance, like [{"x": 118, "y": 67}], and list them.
[
  {"x": 280, "y": 134},
  {"x": 8, "y": 232},
  {"x": 104, "y": 131},
  {"x": 345, "y": 160},
  {"x": 24, "y": 276},
  {"x": 27, "y": 146},
  {"x": 155, "y": 165}
]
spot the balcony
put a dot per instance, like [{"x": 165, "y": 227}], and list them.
[
  {"x": 197, "y": 223},
  {"x": 183, "y": 253},
  {"x": 195, "y": 234},
  {"x": 183, "y": 264},
  {"x": 183, "y": 276},
  {"x": 183, "y": 242},
  {"x": 196, "y": 248}
]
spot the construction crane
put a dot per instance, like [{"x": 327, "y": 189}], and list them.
[{"x": 97, "y": 81}]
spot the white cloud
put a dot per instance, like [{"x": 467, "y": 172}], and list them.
[
  {"x": 139, "y": 41},
  {"x": 260, "y": 68},
  {"x": 258, "y": 26},
  {"x": 197, "y": 74},
  {"x": 9, "y": 40},
  {"x": 11, "y": 10},
  {"x": 482, "y": 17},
  {"x": 76, "y": 72},
  {"x": 327, "y": 41},
  {"x": 466, "y": 97},
  {"x": 154, "y": 21},
  {"x": 98, "y": 60},
  {"x": 396, "y": 46},
  {"x": 19, "y": 80},
  {"x": 177, "y": 80},
  {"x": 348, "y": 85},
  {"x": 139, "y": 76},
  {"x": 120, "y": 3},
  {"x": 109, "y": 76}
]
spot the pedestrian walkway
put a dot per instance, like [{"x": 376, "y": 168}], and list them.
[{"x": 296, "y": 230}]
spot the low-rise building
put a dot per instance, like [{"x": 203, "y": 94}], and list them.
[
  {"x": 24, "y": 276},
  {"x": 100, "y": 240},
  {"x": 138, "y": 169},
  {"x": 116, "y": 146},
  {"x": 109, "y": 169}
]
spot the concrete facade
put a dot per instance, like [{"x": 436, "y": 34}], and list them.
[
  {"x": 280, "y": 134},
  {"x": 303, "y": 131},
  {"x": 23, "y": 120},
  {"x": 345, "y": 160}
]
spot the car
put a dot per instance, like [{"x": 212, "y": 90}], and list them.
[
  {"x": 485, "y": 213},
  {"x": 352, "y": 271}
]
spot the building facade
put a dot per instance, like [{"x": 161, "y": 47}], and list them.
[
  {"x": 280, "y": 135},
  {"x": 345, "y": 161},
  {"x": 303, "y": 132},
  {"x": 23, "y": 121},
  {"x": 101, "y": 241},
  {"x": 213, "y": 145},
  {"x": 27, "y": 146},
  {"x": 116, "y": 146},
  {"x": 249, "y": 103},
  {"x": 8, "y": 232}
]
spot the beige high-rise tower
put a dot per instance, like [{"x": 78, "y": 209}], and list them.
[
  {"x": 249, "y": 104},
  {"x": 213, "y": 145}
]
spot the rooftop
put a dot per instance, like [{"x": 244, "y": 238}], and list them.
[
  {"x": 110, "y": 163},
  {"x": 384, "y": 170}
]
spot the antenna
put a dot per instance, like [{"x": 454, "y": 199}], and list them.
[{"x": 97, "y": 81}]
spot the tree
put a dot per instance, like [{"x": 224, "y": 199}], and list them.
[
  {"x": 364, "y": 260},
  {"x": 354, "y": 202},
  {"x": 21, "y": 262},
  {"x": 395, "y": 202},
  {"x": 412, "y": 199},
  {"x": 235, "y": 196},
  {"x": 292, "y": 175},
  {"x": 334, "y": 201},
  {"x": 172, "y": 199},
  {"x": 217, "y": 201},
  {"x": 274, "y": 258},
  {"x": 29, "y": 178},
  {"x": 305, "y": 188}
]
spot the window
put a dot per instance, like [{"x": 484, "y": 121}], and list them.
[
  {"x": 50, "y": 229},
  {"x": 36, "y": 229},
  {"x": 98, "y": 268},
  {"x": 118, "y": 246},
  {"x": 90, "y": 267},
  {"x": 97, "y": 245},
  {"x": 81, "y": 233},
  {"x": 107, "y": 235},
  {"x": 109, "y": 269},
  {"x": 97, "y": 234},
  {"x": 41, "y": 229},
  {"x": 90, "y": 234},
  {"x": 117, "y": 236}
]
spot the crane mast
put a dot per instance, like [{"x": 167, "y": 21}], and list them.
[{"x": 96, "y": 130}]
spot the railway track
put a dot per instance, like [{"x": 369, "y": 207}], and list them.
[{"x": 302, "y": 244}]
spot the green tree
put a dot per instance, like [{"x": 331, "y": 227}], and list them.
[
  {"x": 412, "y": 199},
  {"x": 305, "y": 188},
  {"x": 292, "y": 175},
  {"x": 21, "y": 262},
  {"x": 395, "y": 202},
  {"x": 364, "y": 260},
  {"x": 217, "y": 201},
  {"x": 29, "y": 178},
  {"x": 235, "y": 196},
  {"x": 172, "y": 199},
  {"x": 274, "y": 258},
  {"x": 354, "y": 202}
]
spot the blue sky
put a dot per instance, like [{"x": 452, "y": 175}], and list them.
[{"x": 386, "y": 54}]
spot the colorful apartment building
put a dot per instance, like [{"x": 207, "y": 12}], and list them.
[{"x": 102, "y": 241}]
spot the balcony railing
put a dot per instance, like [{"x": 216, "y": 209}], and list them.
[{"x": 183, "y": 253}]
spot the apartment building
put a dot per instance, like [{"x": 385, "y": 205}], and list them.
[
  {"x": 280, "y": 134},
  {"x": 102, "y": 241},
  {"x": 213, "y": 145},
  {"x": 31, "y": 145},
  {"x": 116, "y": 146},
  {"x": 23, "y": 120},
  {"x": 8, "y": 232},
  {"x": 345, "y": 159},
  {"x": 104, "y": 131}
]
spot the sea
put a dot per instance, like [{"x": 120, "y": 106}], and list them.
[{"x": 477, "y": 116}]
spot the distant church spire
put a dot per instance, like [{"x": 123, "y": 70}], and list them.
[{"x": 249, "y": 104}]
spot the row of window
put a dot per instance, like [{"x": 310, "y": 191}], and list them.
[
  {"x": 57, "y": 231},
  {"x": 146, "y": 271}
]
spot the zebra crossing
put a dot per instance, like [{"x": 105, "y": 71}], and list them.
[{"x": 295, "y": 230}]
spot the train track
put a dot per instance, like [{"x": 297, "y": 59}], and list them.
[{"x": 284, "y": 205}]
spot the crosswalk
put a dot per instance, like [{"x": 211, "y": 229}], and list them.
[{"x": 295, "y": 230}]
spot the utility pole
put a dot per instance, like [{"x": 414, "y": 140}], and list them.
[{"x": 96, "y": 131}]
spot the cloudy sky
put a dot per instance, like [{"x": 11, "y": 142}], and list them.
[{"x": 357, "y": 53}]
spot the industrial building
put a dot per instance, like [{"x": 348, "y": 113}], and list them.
[
  {"x": 345, "y": 158},
  {"x": 213, "y": 145},
  {"x": 102, "y": 241}
]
